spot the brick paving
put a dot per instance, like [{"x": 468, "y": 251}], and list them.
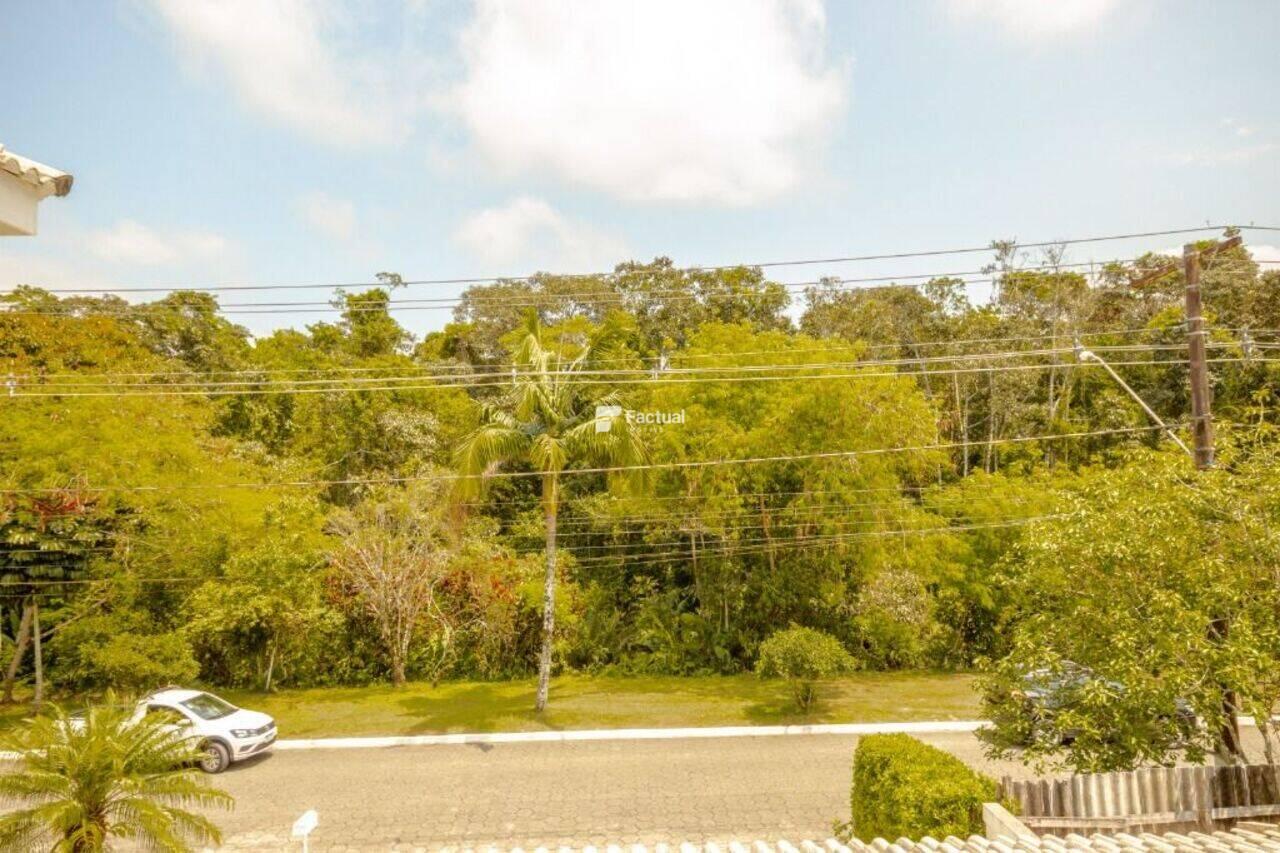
[{"x": 552, "y": 794}]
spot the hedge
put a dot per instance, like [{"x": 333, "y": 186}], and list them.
[{"x": 903, "y": 788}]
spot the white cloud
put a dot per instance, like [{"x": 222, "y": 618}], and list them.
[
  {"x": 129, "y": 242},
  {"x": 295, "y": 62},
  {"x": 332, "y": 217},
  {"x": 38, "y": 270},
  {"x": 1268, "y": 257},
  {"x": 723, "y": 101},
  {"x": 1035, "y": 19},
  {"x": 1239, "y": 128},
  {"x": 1223, "y": 155},
  {"x": 1231, "y": 143},
  {"x": 529, "y": 231}
]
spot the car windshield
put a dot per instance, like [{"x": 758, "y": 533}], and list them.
[
  {"x": 1044, "y": 681},
  {"x": 208, "y": 707}
]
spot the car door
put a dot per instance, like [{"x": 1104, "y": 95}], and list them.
[{"x": 171, "y": 719}]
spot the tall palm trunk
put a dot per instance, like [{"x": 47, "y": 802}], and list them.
[{"x": 550, "y": 500}]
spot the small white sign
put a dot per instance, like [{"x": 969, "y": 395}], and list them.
[{"x": 302, "y": 826}]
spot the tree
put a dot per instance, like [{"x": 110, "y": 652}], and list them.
[
  {"x": 267, "y": 610},
  {"x": 803, "y": 657},
  {"x": 1125, "y": 588},
  {"x": 45, "y": 540},
  {"x": 85, "y": 781},
  {"x": 549, "y": 421},
  {"x": 394, "y": 556}
]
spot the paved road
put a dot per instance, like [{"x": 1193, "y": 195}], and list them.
[{"x": 532, "y": 794}]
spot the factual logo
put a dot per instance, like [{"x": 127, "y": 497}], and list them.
[{"x": 606, "y": 415}]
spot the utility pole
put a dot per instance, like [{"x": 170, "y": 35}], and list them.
[
  {"x": 1229, "y": 747},
  {"x": 1201, "y": 400},
  {"x": 1202, "y": 430}
]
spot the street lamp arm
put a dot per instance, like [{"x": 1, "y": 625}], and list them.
[{"x": 1086, "y": 356}]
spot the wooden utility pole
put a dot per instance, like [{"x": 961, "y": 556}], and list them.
[
  {"x": 1202, "y": 430},
  {"x": 1202, "y": 425},
  {"x": 1201, "y": 400}
]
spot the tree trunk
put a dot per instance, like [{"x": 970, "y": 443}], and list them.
[
  {"x": 1049, "y": 456},
  {"x": 19, "y": 649},
  {"x": 35, "y": 635},
  {"x": 988, "y": 463},
  {"x": 1229, "y": 750},
  {"x": 550, "y": 499},
  {"x": 271, "y": 665},
  {"x": 962, "y": 415}
]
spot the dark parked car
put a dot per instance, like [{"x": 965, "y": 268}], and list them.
[{"x": 1046, "y": 693}]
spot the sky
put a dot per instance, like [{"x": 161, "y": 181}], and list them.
[{"x": 219, "y": 142}]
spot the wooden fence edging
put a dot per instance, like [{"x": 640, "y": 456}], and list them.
[{"x": 1185, "y": 799}]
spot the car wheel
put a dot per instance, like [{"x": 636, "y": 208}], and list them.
[{"x": 215, "y": 757}]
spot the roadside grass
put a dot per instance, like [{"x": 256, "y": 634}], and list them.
[
  {"x": 593, "y": 702},
  {"x": 607, "y": 702}
]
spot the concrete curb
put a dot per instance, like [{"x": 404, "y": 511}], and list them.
[{"x": 935, "y": 727}]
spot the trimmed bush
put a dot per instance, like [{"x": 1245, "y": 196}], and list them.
[
  {"x": 903, "y": 788},
  {"x": 803, "y": 656}
]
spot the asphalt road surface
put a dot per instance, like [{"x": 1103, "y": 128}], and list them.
[{"x": 549, "y": 794}]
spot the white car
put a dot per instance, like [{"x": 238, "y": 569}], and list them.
[{"x": 225, "y": 733}]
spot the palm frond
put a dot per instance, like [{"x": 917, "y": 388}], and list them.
[
  {"x": 547, "y": 453},
  {"x": 21, "y": 830},
  {"x": 485, "y": 448},
  {"x": 622, "y": 445},
  {"x": 101, "y": 776}
]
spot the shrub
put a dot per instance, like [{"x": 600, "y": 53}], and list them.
[
  {"x": 111, "y": 651},
  {"x": 905, "y": 788},
  {"x": 803, "y": 656}
]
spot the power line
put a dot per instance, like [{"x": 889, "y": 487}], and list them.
[
  {"x": 674, "y": 380},
  {"x": 809, "y": 542},
  {"x": 688, "y": 269},
  {"x": 541, "y": 300},
  {"x": 505, "y": 375},
  {"x": 786, "y": 515},
  {"x": 77, "y": 380},
  {"x": 607, "y": 470},
  {"x": 506, "y": 367},
  {"x": 632, "y": 559},
  {"x": 649, "y": 499},
  {"x": 126, "y": 577},
  {"x": 726, "y": 540}
]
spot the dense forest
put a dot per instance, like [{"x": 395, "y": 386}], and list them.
[{"x": 344, "y": 503}]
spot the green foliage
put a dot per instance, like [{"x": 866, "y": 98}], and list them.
[
  {"x": 81, "y": 784},
  {"x": 803, "y": 657},
  {"x": 670, "y": 638},
  {"x": 266, "y": 620},
  {"x": 907, "y": 558},
  {"x": 103, "y": 652},
  {"x": 550, "y": 422},
  {"x": 903, "y": 788},
  {"x": 1142, "y": 584}
]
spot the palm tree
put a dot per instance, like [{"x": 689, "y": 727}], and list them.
[
  {"x": 549, "y": 420},
  {"x": 86, "y": 780}
]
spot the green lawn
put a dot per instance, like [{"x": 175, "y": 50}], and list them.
[
  {"x": 597, "y": 702},
  {"x": 590, "y": 702}
]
